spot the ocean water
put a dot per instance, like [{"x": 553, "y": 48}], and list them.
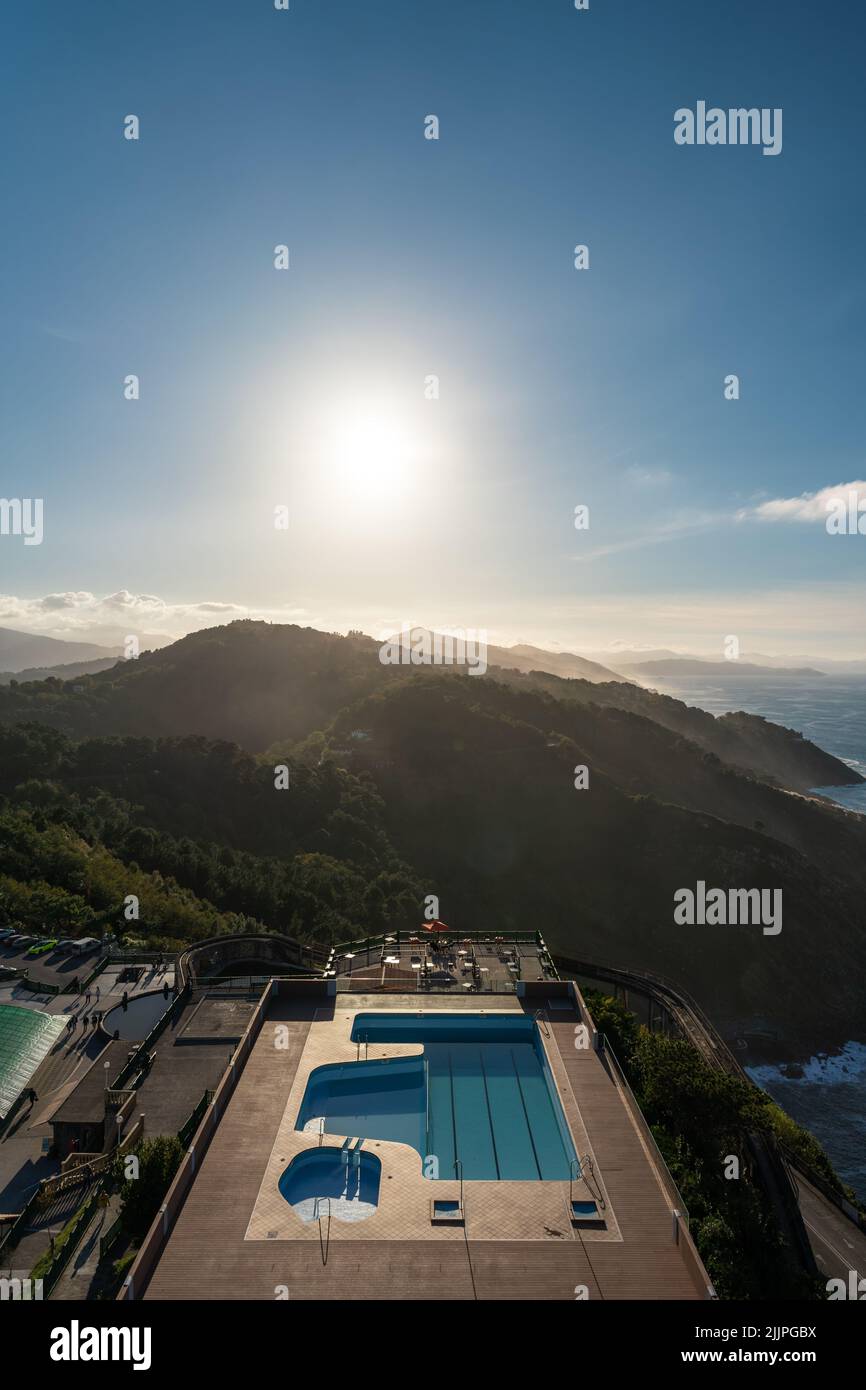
[
  {"x": 830, "y": 1098},
  {"x": 829, "y": 710}
]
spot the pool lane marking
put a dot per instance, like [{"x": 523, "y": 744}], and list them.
[
  {"x": 489, "y": 1114},
  {"x": 525, "y": 1113},
  {"x": 453, "y": 1114}
]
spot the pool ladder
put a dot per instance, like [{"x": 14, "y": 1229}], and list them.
[
  {"x": 585, "y": 1168},
  {"x": 351, "y": 1157},
  {"x": 458, "y": 1173},
  {"x": 366, "y": 1042},
  {"x": 324, "y": 1235},
  {"x": 542, "y": 1019}
]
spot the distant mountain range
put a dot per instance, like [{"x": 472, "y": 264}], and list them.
[
  {"x": 631, "y": 658},
  {"x": 524, "y": 657},
  {"x": 693, "y": 666},
  {"x": 69, "y": 671},
  {"x": 22, "y": 650}
]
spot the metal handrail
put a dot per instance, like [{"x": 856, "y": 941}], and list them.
[
  {"x": 572, "y": 1179},
  {"x": 587, "y": 1165},
  {"x": 541, "y": 1017},
  {"x": 324, "y": 1247}
]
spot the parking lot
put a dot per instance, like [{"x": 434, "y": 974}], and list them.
[{"x": 53, "y": 967}]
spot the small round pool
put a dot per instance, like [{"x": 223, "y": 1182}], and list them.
[{"x": 343, "y": 1183}]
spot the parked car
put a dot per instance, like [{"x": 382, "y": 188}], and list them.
[
  {"x": 39, "y": 948},
  {"x": 86, "y": 944},
  {"x": 63, "y": 947},
  {"x": 20, "y": 941},
  {"x": 7, "y": 933}
]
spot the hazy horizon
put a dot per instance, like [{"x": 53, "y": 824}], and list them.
[{"x": 111, "y": 634}]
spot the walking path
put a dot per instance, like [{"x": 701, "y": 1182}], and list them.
[{"x": 81, "y": 1276}]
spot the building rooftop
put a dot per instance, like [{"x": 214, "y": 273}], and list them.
[
  {"x": 438, "y": 961},
  {"x": 233, "y": 1235}
]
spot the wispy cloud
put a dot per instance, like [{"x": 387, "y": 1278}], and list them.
[
  {"x": 686, "y": 525},
  {"x": 809, "y": 506},
  {"x": 640, "y": 476}
]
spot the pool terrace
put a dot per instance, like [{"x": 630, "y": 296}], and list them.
[{"x": 231, "y": 1233}]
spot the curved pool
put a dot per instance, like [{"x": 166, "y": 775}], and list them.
[
  {"x": 343, "y": 1183},
  {"x": 479, "y": 1102},
  {"x": 142, "y": 1012}
]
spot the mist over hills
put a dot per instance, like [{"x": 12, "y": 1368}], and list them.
[
  {"x": 672, "y": 667},
  {"x": 410, "y": 780},
  {"x": 524, "y": 657},
  {"x": 20, "y": 650},
  {"x": 67, "y": 671},
  {"x": 633, "y": 658}
]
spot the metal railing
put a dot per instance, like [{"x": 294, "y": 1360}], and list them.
[
  {"x": 50, "y": 1188},
  {"x": 373, "y": 984},
  {"x": 134, "y": 1063},
  {"x": 85, "y": 980},
  {"x": 511, "y": 938},
  {"x": 189, "y": 1127},
  {"x": 76, "y": 1229},
  {"x": 656, "y": 1153},
  {"x": 107, "y": 1240}
]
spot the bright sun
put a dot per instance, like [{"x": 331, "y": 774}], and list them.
[{"x": 374, "y": 457}]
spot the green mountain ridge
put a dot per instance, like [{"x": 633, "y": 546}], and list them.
[{"x": 406, "y": 781}]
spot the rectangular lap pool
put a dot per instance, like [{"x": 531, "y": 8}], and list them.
[{"x": 481, "y": 1095}]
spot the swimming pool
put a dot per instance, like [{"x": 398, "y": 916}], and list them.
[
  {"x": 481, "y": 1095},
  {"x": 343, "y": 1183}
]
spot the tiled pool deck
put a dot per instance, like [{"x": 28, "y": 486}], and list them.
[
  {"x": 494, "y": 1210},
  {"x": 236, "y": 1238}
]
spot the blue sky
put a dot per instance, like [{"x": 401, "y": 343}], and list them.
[{"x": 453, "y": 257}]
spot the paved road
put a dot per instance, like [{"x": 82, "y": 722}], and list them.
[{"x": 838, "y": 1244}]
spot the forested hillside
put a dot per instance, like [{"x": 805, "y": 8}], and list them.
[{"x": 157, "y": 778}]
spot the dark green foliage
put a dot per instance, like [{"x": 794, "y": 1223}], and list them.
[
  {"x": 700, "y": 1117},
  {"x": 619, "y": 1025},
  {"x": 198, "y": 831},
  {"x": 141, "y": 1197}
]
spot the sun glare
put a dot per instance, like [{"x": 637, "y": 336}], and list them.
[{"x": 374, "y": 457}]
